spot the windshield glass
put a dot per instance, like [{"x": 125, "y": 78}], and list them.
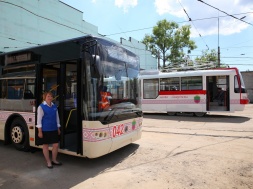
[
  {"x": 112, "y": 90},
  {"x": 238, "y": 88}
]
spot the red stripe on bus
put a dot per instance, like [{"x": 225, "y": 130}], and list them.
[
  {"x": 244, "y": 101},
  {"x": 188, "y": 92}
]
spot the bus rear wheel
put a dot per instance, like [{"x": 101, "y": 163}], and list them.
[
  {"x": 199, "y": 114},
  {"x": 19, "y": 135}
]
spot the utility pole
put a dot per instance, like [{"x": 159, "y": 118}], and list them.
[
  {"x": 158, "y": 60},
  {"x": 218, "y": 41},
  {"x": 157, "y": 55},
  {"x": 241, "y": 19}
]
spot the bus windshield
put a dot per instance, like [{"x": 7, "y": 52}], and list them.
[{"x": 112, "y": 91}]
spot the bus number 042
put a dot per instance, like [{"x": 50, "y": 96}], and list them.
[{"x": 117, "y": 130}]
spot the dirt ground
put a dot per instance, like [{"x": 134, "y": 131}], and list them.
[{"x": 177, "y": 152}]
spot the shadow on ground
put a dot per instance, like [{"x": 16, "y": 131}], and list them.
[
  {"x": 190, "y": 117},
  {"x": 27, "y": 170}
]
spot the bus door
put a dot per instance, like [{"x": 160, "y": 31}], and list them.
[
  {"x": 71, "y": 131},
  {"x": 218, "y": 93},
  {"x": 61, "y": 80},
  {"x": 47, "y": 79}
]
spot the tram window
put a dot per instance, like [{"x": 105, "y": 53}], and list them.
[
  {"x": 169, "y": 84},
  {"x": 150, "y": 88},
  {"x": 191, "y": 83},
  {"x": 237, "y": 88}
]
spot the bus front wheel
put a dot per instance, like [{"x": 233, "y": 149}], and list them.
[{"x": 19, "y": 135}]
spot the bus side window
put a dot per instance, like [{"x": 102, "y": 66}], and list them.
[
  {"x": 29, "y": 89},
  {"x": 14, "y": 93},
  {"x": 3, "y": 90},
  {"x": 15, "y": 88},
  {"x": 28, "y": 94}
]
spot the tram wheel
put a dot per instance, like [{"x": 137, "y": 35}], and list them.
[
  {"x": 171, "y": 113},
  {"x": 199, "y": 114},
  {"x": 19, "y": 135}
]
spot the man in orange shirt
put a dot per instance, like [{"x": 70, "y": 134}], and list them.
[{"x": 104, "y": 101}]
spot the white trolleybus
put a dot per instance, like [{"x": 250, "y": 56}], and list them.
[
  {"x": 74, "y": 71},
  {"x": 193, "y": 91}
]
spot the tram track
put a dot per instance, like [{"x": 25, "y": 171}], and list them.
[
  {"x": 201, "y": 129},
  {"x": 200, "y": 134}
]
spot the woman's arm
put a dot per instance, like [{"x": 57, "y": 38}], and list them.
[{"x": 40, "y": 114}]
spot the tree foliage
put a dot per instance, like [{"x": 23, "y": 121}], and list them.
[
  {"x": 207, "y": 56},
  {"x": 168, "y": 41}
]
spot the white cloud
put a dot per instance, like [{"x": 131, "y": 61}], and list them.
[
  {"x": 207, "y": 16},
  {"x": 169, "y": 7},
  {"x": 126, "y": 4}
]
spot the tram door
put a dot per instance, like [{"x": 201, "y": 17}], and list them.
[{"x": 216, "y": 100}]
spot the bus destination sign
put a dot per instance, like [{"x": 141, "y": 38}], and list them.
[{"x": 15, "y": 58}]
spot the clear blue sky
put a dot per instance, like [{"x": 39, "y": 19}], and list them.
[{"x": 135, "y": 18}]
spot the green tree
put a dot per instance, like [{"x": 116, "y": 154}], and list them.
[
  {"x": 168, "y": 41},
  {"x": 207, "y": 56},
  {"x": 209, "y": 59}
]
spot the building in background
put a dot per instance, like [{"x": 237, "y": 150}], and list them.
[
  {"x": 247, "y": 77},
  {"x": 149, "y": 62},
  {"x": 24, "y": 24},
  {"x": 28, "y": 23}
]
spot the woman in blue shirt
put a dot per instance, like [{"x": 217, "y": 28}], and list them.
[{"x": 48, "y": 125}]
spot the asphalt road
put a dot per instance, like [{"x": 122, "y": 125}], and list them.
[{"x": 215, "y": 151}]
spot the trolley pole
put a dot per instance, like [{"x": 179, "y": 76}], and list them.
[{"x": 218, "y": 42}]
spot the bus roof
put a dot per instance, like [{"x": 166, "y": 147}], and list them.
[{"x": 68, "y": 49}]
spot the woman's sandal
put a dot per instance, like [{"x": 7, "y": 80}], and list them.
[
  {"x": 58, "y": 163},
  {"x": 50, "y": 166}
]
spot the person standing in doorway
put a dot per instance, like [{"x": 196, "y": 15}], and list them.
[
  {"x": 219, "y": 96},
  {"x": 48, "y": 125}
]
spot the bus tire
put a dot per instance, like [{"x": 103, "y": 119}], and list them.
[
  {"x": 171, "y": 113},
  {"x": 19, "y": 135},
  {"x": 200, "y": 114}
]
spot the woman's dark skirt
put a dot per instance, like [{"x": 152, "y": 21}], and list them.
[{"x": 50, "y": 137}]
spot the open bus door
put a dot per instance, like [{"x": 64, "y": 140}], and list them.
[
  {"x": 213, "y": 83},
  {"x": 61, "y": 80}
]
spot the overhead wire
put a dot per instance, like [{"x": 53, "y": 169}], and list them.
[
  {"x": 190, "y": 20},
  {"x": 42, "y": 16},
  {"x": 198, "y": 19},
  {"x": 1, "y": 1},
  {"x": 11, "y": 38},
  {"x": 241, "y": 19}
]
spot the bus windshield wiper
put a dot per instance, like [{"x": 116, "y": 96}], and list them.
[
  {"x": 109, "y": 116},
  {"x": 136, "y": 111}
]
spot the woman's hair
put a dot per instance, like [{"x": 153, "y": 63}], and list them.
[{"x": 46, "y": 93}]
